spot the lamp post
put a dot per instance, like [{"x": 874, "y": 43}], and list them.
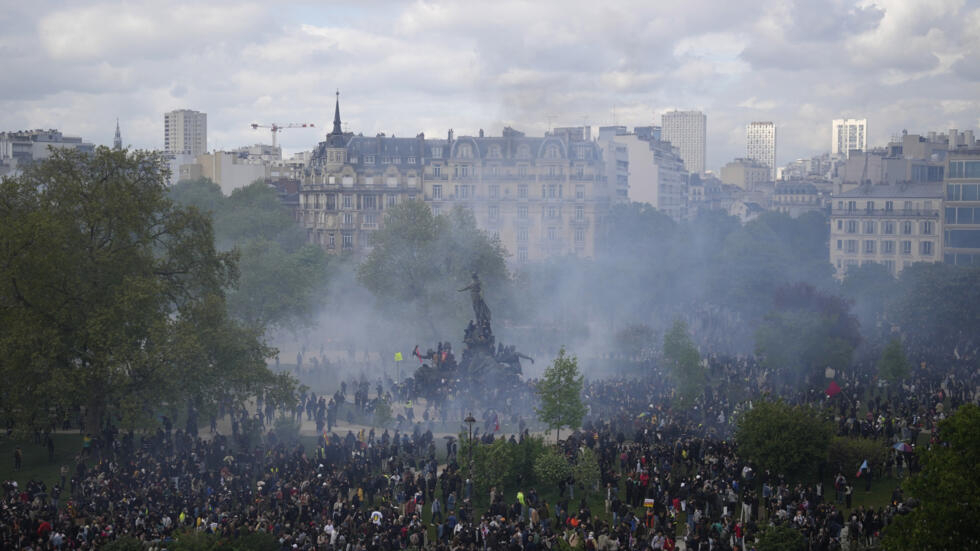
[{"x": 469, "y": 421}]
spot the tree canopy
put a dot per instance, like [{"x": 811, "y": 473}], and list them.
[
  {"x": 282, "y": 278},
  {"x": 791, "y": 440},
  {"x": 419, "y": 259},
  {"x": 560, "y": 392},
  {"x": 947, "y": 489},
  {"x": 112, "y": 297},
  {"x": 684, "y": 362}
]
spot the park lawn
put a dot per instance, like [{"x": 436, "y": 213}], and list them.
[{"x": 36, "y": 466}]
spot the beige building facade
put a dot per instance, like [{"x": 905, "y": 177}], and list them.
[
  {"x": 541, "y": 196},
  {"x": 894, "y": 225}
]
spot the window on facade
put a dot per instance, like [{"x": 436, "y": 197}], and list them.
[
  {"x": 869, "y": 227},
  {"x": 579, "y": 235},
  {"x": 908, "y": 205},
  {"x": 465, "y": 151},
  {"x": 889, "y": 206},
  {"x": 494, "y": 190},
  {"x": 906, "y": 228},
  {"x": 391, "y": 200},
  {"x": 522, "y": 170},
  {"x": 927, "y": 228},
  {"x": 437, "y": 152},
  {"x": 851, "y": 206},
  {"x": 869, "y": 246},
  {"x": 437, "y": 171},
  {"x": 522, "y": 212},
  {"x": 522, "y": 191},
  {"x": 851, "y": 246},
  {"x": 369, "y": 159},
  {"x": 411, "y": 160},
  {"x": 552, "y": 212},
  {"x": 579, "y": 192},
  {"x": 369, "y": 202},
  {"x": 493, "y": 212},
  {"x": 840, "y": 225},
  {"x": 331, "y": 240},
  {"x": 869, "y": 206},
  {"x": 437, "y": 191},
  {"x": 522, "y": 236},
  {"x": 371, "y": 218},
  {"x": 888, "y": 227},
  {"x": 840, "y": 245},
  {"x": 522, "y": 254},
  {"x": 551, "y": 152},
  {"x": 494, "y": 152},
  {"x": 925, "y": 248},
  {"x": 888, "y": 247},
  {"x": 436, "y": 210},
  {"x": 579, "y": 212},
  {"x": 852, "y": 226},
  {"x": 580, "y": 153},
  {"x": 348, "y": 201},
  {"x": 348, "y": 241},
  {"x": 552, "y": 233},
  {"x": 906, "y": 247},
  {"x": 348, "y": 218}
]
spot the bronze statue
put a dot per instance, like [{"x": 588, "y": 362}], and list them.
[{"x": 480, "y": 309}]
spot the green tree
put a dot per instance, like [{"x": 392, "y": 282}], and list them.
[
  {"x": 418, "y": 260},
  {"x": 806, "y": 332},
  {"x": 282, "y": 278},
  {"x": 586, "y": 471},
  {"x": 937, "y": 303},
  {"x": 947, "y": 488},
  {"x": 560, "y": 392},
  {"x": 105, "y": 282},
  {"x": 781, "y": 538},
  {"x": 784, "y": 439},
  {"x": 684, "y": 363},
  {"x": 845, "y": 454},
  {"x": 551, "y": 467},
  {"x": 893, "y": 366}
]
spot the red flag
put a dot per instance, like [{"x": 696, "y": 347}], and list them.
[{"x": 832, "y": 389}]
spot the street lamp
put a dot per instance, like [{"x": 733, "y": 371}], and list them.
[{"x": 469, "y": 421}]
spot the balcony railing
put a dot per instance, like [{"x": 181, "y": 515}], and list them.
[{"x": 898, "y": 213}]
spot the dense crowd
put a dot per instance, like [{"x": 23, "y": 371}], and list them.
[{"x": 668, "y": 477}]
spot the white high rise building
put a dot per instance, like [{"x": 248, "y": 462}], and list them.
[
  {"x": 760, "y": 145},
  {"x": 185, "y": 132},
  {"x": 849, "y": 135},
  {"x": 687, "y": 130}
]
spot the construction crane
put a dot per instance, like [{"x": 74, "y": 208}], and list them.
[{"x": 276, "y": 128}]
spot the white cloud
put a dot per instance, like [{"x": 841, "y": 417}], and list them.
[{"x": 428, "y": 66}]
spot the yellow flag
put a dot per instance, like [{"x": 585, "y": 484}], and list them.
[{"x": 398, "y": 356}]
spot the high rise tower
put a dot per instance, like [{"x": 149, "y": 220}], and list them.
[
  {"x": 185, "y": 132},
  {"x": 760, "y": 145},
  {"x": 686, "y": 131}
]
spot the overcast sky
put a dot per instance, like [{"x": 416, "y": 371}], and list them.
[{"x": 406, "y": 67}]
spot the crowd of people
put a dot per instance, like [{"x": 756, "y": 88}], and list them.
[{"x": 668, "y": 477}]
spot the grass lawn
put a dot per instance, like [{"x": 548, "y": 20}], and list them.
[{"x": 36, "y": 464}]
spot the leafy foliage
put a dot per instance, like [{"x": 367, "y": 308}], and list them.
[
  {"x": 846, "y": 454},
  {"x": 113, "y": 296},
  {"x": 684, "y": 362},
  {"x": 418, "y": 258},
  {"x": 784, "y": 439},
  {"x": 948, "y": 514},
  {"x": 560, "y": 392},
  {"x": 281, "y": 277},
  {"x": 586, "y": 471},
  {"x": 781, "y": 538},
  {"x": 551, "y": 467},
  {"x": 806, "y": 332},
  {"x": 893, "y": 366}
]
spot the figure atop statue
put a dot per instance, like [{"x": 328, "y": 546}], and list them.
[{"x": 480, "y": 309}]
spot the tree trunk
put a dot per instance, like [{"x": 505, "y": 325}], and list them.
[{"x": 94, "y": 412}]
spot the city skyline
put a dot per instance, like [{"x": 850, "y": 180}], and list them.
[{"x": 428, "y": 67}]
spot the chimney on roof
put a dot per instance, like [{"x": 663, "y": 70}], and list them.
[
  {"x": 481, "y": 132},
  {"x": 450, "y": 134}
]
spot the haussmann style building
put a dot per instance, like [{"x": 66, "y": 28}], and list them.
[{"x": 541, "y": 196}]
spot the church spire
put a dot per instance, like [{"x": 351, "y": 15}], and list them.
[
  {"x": 117, "y": 140},
  {"x": 336, "y": 117}
]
